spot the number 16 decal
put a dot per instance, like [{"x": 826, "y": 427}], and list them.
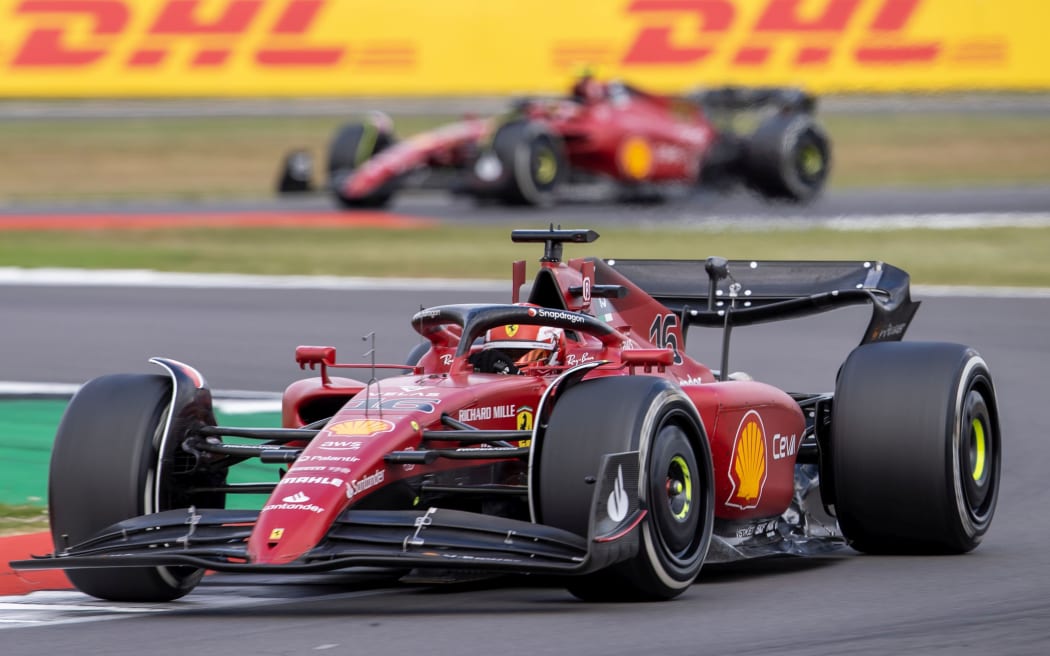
[{"x": 662, "y": 334}]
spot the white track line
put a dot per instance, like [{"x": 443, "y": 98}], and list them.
[
  {"x": 50, "y": 608},
  {"x": 231, "y": 402},
  {"x": 857, "y": 222},
  {"x": 20, "y": 277}
]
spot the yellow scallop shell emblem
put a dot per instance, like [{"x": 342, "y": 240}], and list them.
[
  {"x": 635, "y": 158},
  {"x": 747, "y": 469},
  {"x": 361, "y": 427}
]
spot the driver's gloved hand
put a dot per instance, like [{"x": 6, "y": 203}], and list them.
[{"x": 492, "y": 361}]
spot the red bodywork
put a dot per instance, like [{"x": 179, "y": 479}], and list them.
[
  {"x": 753, "y": 428},
  {"x": 619, "y": 132}
]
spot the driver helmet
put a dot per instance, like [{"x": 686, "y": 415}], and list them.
[
  {"x": 587, "y": 89},
  {"x": 527, "y": 344}
]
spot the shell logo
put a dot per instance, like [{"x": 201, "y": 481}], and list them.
[
  {"x": 635, "y": 158},
  {"x": 361, "y": 427},
  {"x": 747, "y": 467}
]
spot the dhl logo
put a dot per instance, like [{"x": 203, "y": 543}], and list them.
[
  {"x": 146, "y": 35},
  {"x": 798, "y": 33}
]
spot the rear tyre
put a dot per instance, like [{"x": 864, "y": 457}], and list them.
[
  {"x": 788, "y": 158},
  {"x": 654, "y": 417},
  {"x": 103, "y": 467},
  {"x": 915, "y": 448},
  {"x": 525, "y": 165},
  {"x": 353, "y": 145}
]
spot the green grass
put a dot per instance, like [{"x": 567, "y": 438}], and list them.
[
  {"x": 16, "y": 520},
  {"x": 238, "y": 157},
  {"x": 1004, "y": 256},
  {"x": 943, "y": 149}
]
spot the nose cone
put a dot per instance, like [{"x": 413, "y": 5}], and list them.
[
  {"x": 339, "y": 466},
  {"x": 297, "y": 516}
]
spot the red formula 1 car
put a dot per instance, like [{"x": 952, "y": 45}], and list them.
[
  {"x": 642, "y": 142},
  {"x": 568, "y": 435}
]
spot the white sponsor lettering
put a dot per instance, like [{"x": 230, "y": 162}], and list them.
[
  {"x": 407, "y": 393},
  {"x": 313, "y": 480},
  {"x": 559, "y": 315},
  {"x": 784, "y": 446},
  {"x": 325, "y": 468},
  {"x": 294, "y": 506},
  {"x": 488, "y": 412},
  {"x": 328, "y": 459},
  {"x": 667, "y": 153},
  {"x": 356, "y": 487},
  {"x": 340, "y": 445},
  {"x": 572, "y": 360}
]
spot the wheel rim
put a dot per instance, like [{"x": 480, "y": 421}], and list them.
[
  {"x": 545, "y": 167},
  {"x": 676, "y": 497},
  {"x": 978, "y": 454},
  {"x": 679, "y": 488},
  {"x": 810, "y": 161}
]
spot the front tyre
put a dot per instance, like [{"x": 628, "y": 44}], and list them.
[
  {"x": 655, "y": 418},
  {"x": 353, "y": 145},
  {"x": 915, "y": 448},
  {"x": 103, "y": 467}
]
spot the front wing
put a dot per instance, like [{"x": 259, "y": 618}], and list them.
[{"x": 216, "y": 539}]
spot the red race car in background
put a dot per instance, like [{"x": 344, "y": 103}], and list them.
[{"x": 645, "y": 144}]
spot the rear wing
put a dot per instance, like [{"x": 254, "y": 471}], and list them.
[
  {"x": 722, "y": 293},
  {"x": 734, "y": 99}
]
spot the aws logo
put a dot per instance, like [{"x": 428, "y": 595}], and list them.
[{"x": 747, "y": 467}]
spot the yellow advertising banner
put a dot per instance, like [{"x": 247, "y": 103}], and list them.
[{"x": 158, "y": 48}]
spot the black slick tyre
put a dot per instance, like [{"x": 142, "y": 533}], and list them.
[
  {"x": 525, "y": 165},
  {"x": 654, "y": 417},
  {"x": 354, "y": 144},
  {"x": 788, "y": 157},
  {"x": 103, "y": 467},
  {"x": 915, "y": 448}
]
